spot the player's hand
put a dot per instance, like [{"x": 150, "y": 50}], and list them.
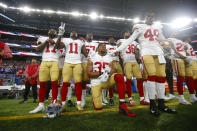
[
  {"x": 182, "y": 57},
  {"x": 185, "y": 48},
  {"x": 61, "y": 29},
  {"x": 50, "y": 41}
]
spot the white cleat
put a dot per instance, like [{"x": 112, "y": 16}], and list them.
[
  {"x": 171, "y": 96},
  {"x": 183, "y": 101},
  {"x": 83, "y": 102},
  {"x": 166, "y": 98},
  {"x": 39, "y": 108},
  {"x": 193, "y": 99},
  {"x": 105, "y": 101},
  {"x": 104, "y": 104}
]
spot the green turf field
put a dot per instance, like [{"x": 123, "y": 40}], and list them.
[{"x": 186, "y": 119}]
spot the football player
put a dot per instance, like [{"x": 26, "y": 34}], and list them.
[
  {"x": 131, "y": 67},
  {"x": 182, "y": 67},
  {"x": 48, "y": 68},
  {"x": 148, "y": 35},
  {"x": 112, "y": 46},
  {"x": 190, "y": 52},
  {"x": 74, "y": 48},
  {"x": 101, "y": 71},
  {"x": 91, "y": 48}
]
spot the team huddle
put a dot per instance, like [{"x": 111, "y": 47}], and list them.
[{"x": 142, "y": 56}]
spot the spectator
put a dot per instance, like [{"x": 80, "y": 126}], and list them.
[{"x": 31, "y": 74}]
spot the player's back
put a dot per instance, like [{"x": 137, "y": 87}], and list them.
[{"x": 179, "y": 46}]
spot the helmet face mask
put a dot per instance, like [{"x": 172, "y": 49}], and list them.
[{"x": 53, "y": 110}]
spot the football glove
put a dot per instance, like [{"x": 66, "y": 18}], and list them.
[
  {"x": 61, "y": 29},
  {"x": 105, "y": 74}
]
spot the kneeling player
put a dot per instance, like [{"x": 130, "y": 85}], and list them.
[{"x": 101, "y": 71}]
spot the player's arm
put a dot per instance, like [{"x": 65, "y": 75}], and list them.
[
  {"x": 137, "y": 54},
  {"x": 90, "y": 71},
  {"x": 59, "y": 43},
  {"x": 176, "y": 52},
  {"x": 125, "y": 44},
  {"x": 41, "y": 45},
  {"x": 84, "y": 51},
  {"x": 186, "y": 50}
]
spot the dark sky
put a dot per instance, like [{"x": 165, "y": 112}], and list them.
[{"x": 165, "y": 9}]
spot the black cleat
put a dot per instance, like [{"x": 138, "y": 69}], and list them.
[
  {"x": 24, "y": 101},
  {"x": 163, "y": 108},
  {"x": 153, "y": 108},
  {"x": 154, "y": 112},
  {"x": 111, "y": 102},
  {"x": 70, "y": 103}
]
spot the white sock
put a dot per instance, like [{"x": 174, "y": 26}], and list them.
[
  {"x": 122, "y": 100},
  {"x": 69, "y": 93},
  {"x": 141, "y": 98},
  {"x": 78, "y": 102},
  {"x": 151, "y": 89},
  {"x": 63, "y": 103},
  {"x": 145, "y": 91},
  {"x": 130, "y": 98},
  {"x": 104, "y": 91},
  {"x": 160, "y": 88},
  {"x": 59, "y": 93}
]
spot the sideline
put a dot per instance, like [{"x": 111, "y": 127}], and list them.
[{"x": 77, "y": 113}]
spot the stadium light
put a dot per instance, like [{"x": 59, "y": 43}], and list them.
[
  {"x": 3, "y": 5},
  {"x": 93, "y": 15},
  {"x": 48, "y": 11},
  {"x": 136, "y": 20},
  {"x": 195, "y": 20},
  {"x": 75, "y": 13},
  {"x": 158, "y": 22},
  {"x": 25, "y": 9},
  {"x": 101, "y": 16},
  {"x": 129, "y": 19},
  {"x": 181, "y": 22}
]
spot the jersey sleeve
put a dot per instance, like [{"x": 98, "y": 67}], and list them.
[{"x": 133, "y": 37}]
